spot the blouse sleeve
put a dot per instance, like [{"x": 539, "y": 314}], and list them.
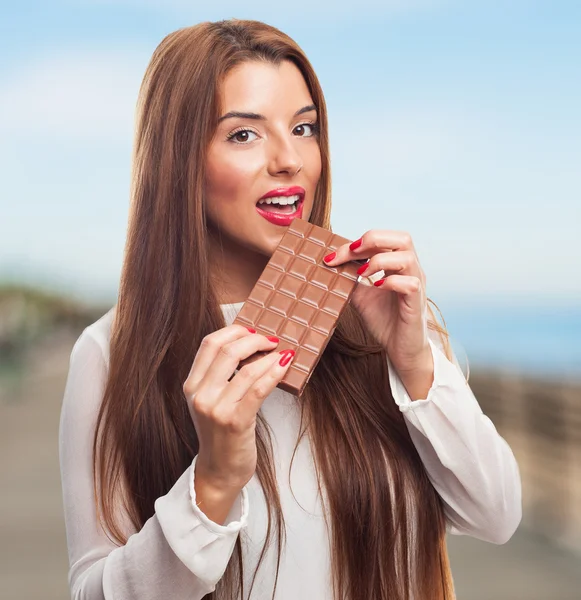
[
  {"x": 179, "y": 553},
  {"x": 469, "y": 464}
]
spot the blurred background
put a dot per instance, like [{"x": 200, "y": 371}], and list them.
[{"x": 455, "y": 120}]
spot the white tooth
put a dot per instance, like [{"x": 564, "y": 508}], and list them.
[{"x": 282, "y": 200}]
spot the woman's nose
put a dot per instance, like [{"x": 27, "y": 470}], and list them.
[{"x": 284, "y": 158}]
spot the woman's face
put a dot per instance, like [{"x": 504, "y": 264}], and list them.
[{"x": 266, "y": 144}]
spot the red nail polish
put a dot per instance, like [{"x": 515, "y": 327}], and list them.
[
  {"x": 379, "y": 282},
  {"x": 330, "y": 257},
  {"x": 287, "y": 355},
  {"x": 272, "y": 338},
  {"x": 355, "y": 244},
  {"x": 362, "y": 269},
  {"x": 251, "y": 330}
]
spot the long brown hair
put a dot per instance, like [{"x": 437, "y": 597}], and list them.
[{"x": 385, "y": 519}]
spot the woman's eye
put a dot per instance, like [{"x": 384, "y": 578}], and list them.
[
  {"x": 242, "y": 136},
  {"x": 305, "y": 129}
]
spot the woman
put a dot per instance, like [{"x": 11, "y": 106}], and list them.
[{"x": 181, "y": 481}]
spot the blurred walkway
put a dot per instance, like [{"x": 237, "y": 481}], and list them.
[
  {"x": 33, "y": 557},
  {"x": 524, "y": 569}
]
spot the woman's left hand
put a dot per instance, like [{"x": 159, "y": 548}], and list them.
[{"x": 394, "y": 309}]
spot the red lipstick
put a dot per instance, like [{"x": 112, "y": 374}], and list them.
[
  {"x": 285, "y": 191},
  {"x": 278, "y": 218}
]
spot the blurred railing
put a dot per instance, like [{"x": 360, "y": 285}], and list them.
[
  {"x": 29, "y": 317},
  {"x": 541, "y": 420}
]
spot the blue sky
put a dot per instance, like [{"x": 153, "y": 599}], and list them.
[{"x": 458, "y": 121}]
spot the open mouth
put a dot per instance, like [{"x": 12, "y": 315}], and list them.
[{"x": 282, "y": 205}]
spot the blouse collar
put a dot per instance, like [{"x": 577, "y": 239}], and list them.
[{"x": 230, "y": 310}]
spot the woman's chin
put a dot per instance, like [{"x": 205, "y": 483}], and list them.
[{"x": 272, "y": 246}]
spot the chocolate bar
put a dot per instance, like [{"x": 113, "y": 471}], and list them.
[{"x": 299, "y": 299}]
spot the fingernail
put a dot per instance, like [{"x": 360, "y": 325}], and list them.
[
  {"x": 330, "y": 257},
  {"x": 287, "y": 355},
  {"x": 251, "y": 330},
  {"x": 272, "y": 338},
  {"x": 362, "y": 269},
  {"x": 379, "y": 282},
  {"x": 355, "y": 244}
]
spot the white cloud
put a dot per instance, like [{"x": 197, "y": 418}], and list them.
[
  {"x": 406, "y": 144},
  {"x": 75, "y": 95}
]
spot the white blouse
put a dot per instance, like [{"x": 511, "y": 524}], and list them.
[{"x": 181, "y": 554}]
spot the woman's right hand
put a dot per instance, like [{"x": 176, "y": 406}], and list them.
[{"x": 224, "y": 412}]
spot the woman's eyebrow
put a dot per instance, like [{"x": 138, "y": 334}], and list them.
[{"x": 257, "y": 117}]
